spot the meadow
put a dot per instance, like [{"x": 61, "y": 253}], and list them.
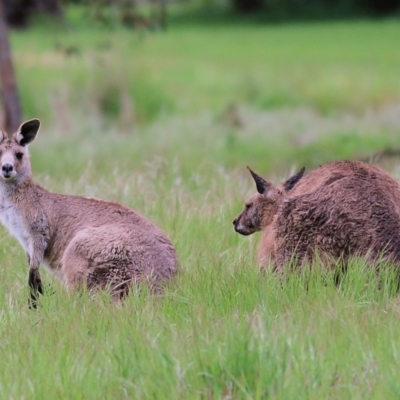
[{"x": 166, "y": 122}]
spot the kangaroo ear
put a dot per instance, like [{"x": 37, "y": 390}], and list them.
[
  {"x": 261, "y": 184},
  {"x": 289, "y": 184},
  {"x": 27, "y": 132}
]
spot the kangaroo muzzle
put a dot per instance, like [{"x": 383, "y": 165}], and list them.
[
  {"x": 239, "y": 228},
  {"x": 7, "y": 167}
]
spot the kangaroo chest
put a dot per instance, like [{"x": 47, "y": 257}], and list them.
[{"x": 13, "y": 221}]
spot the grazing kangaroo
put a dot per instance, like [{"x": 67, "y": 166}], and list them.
[
  {"x": 83, "y": 241},
  {"x": 341, "y": 209}
]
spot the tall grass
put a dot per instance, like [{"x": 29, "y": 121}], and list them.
[{"x": 222, "y": 329}]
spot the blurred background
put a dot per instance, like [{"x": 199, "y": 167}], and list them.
[{"x": 274, "y": 84}]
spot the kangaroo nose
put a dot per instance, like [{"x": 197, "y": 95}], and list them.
[
  {"x": 234, "y": 221},
  {"x": 7, "y": 168}
]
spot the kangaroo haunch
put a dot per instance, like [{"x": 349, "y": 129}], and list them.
[
  {"x": 341, "y": 209},
  {"x": 84, "y": 241}
]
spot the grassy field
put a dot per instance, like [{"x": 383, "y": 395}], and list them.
[{"x": 166, "y": 123}]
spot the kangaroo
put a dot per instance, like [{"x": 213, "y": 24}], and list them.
[
  {"x": 341, "y": 209},
  {"x": 83, "y": 241}
]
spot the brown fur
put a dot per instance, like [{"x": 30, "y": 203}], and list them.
[
  {"x": 341, "y": 209},
  {"x": 84, "y": 241}
]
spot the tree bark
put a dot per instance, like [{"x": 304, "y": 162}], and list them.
[{"x": 10, "y": 97}]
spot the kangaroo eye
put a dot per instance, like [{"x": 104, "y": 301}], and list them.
[
  {"x": 247, "y": 206},
  {"x": 19, "y": 156}
]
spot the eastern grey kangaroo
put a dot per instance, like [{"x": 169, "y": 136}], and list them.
[{"x": 83, "y": 241}]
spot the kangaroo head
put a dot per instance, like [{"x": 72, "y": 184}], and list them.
[
  {"x": 261, "y": 207},
  {"x": 14, "y": 157}
]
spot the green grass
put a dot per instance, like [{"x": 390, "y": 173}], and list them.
[
  {"x": 221, "y": 330},
  {"x": 187, "y": 79},
  {"x": 141, "y": 119},
  {"x": 328, "y": 66}
]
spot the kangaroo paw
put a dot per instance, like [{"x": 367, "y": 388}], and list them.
[{"x": 36, "y": 287}]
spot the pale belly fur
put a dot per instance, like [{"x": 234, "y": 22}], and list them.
[{"x": 13, "y": 222}]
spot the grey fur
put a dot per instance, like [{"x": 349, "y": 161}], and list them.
[
  {"x": 83, "y": 241},
  {"x": 341, "y": 209}
]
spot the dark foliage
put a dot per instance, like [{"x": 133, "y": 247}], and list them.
[
  {"x": 382, "y": 7},
  {"x": 298, "y": 9},
  {"x": 248, "y": 6},
  {"x": 18, "y": 12}
]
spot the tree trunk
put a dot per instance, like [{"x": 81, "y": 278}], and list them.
[{"x": 10, "y": 98}]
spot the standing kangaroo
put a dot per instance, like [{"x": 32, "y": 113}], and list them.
[
  {"x": 341, "y": 209},
  {"x": 84, "y": 241}
]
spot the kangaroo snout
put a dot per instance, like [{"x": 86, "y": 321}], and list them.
[
  {"x": 236, "y": 225},
  {"x": 239, "y": 228},
  {"x": 7, "y": 169}
]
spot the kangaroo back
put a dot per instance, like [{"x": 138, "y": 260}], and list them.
[{"x": 338, "y": 210}]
